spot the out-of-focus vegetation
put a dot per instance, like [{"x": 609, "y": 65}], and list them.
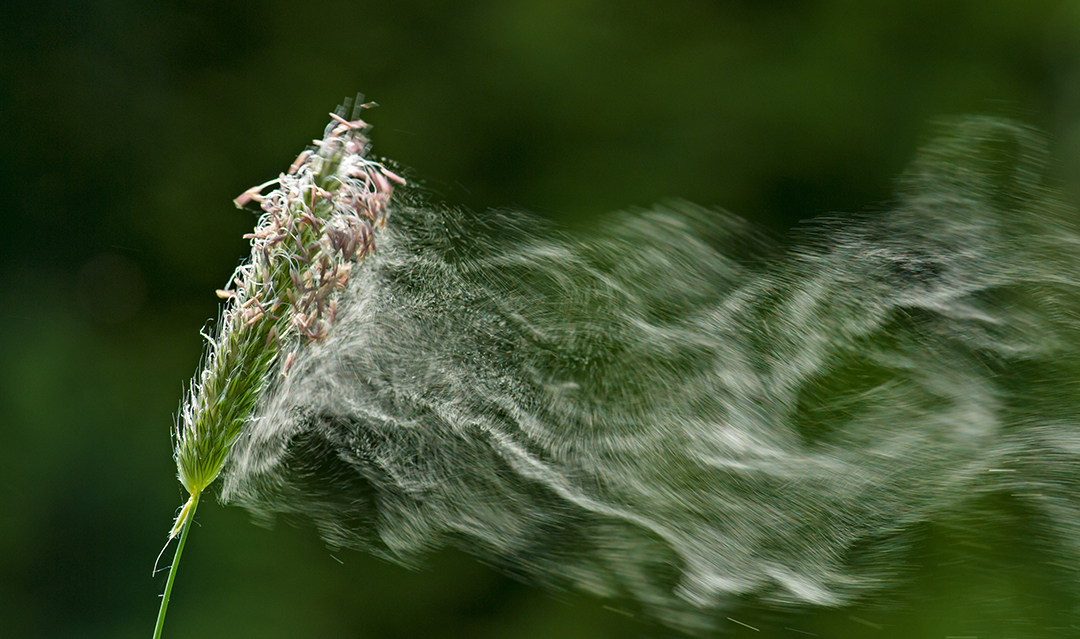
[{"x": 126, "y": 128}]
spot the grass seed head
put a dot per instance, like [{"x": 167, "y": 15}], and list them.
[{"x": 319, "y": 218}]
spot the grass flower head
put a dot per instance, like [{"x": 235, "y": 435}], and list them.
[{"x": 319, "y": 219}]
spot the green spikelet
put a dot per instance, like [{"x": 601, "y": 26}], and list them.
[{"x": 318, "y": 221}]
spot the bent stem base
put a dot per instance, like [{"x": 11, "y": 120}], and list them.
[{"x": 187, "y": 515}]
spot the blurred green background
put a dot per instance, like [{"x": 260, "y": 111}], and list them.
[{"x": 126, "y": 128}]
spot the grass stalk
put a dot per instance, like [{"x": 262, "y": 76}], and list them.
[{"x": 189, "y": 513}]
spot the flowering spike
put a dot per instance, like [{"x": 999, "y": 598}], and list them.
[
  {"x": 316, "y": 222},
  {"x": 320, "y": 206}
]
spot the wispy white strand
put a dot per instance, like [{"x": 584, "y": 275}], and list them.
[{"x": 678, "y": 412}]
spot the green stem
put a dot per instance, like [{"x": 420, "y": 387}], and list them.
[{"x": 172, "y": 569}]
